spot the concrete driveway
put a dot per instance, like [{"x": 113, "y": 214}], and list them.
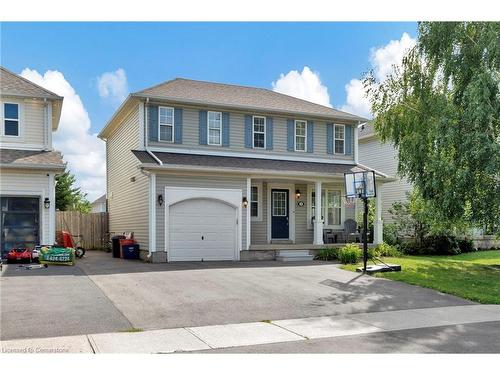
[{"x": 102, "y": 294}]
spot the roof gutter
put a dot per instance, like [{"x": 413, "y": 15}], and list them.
[
  {"x": 245, "y": 171},
  {"x": 33, "y": 166}
]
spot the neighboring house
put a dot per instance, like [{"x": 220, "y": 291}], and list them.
[
  {"x": 99, "y": 205},
  {"x": 28, "y": 164},
  {"x": 209, "y": 171},
  {"x": 384, "y": 158}
]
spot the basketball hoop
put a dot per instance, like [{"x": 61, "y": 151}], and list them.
[
  {"x": 349, "y": 200},
  {"x": 361, "y": 185}
]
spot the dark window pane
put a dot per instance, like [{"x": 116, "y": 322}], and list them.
[
  {"x": 11, "y": 127},
  {"x": 254, "y": 209},
  {"x": 255, "y": 193},
  {"x": 11, "y": 111},
  {"x": 22, "y": 204},
  {"x": 258, "y": 140}
]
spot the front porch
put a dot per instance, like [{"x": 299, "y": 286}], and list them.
[{"x": 281, "y": 216}]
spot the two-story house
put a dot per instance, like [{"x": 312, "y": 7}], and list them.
[
  {"x": 28, "y": 164},
  {"x": 209, "y": 171}
]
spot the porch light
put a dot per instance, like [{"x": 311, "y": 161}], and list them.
[
  {"x": 46, "y": 203},
  {"x": 298, "y": 194},
  {"x": 245, "y": 202},
  {"x": 160, "y": 199}
]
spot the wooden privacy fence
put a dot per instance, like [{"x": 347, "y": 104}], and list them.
[{"x": 92, "y": 227}]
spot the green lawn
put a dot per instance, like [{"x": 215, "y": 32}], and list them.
[{"x": 475, "y": 276}]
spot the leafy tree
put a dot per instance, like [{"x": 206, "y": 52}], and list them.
[
  {"x": 441, "y": 110},
  {"x": 68, "y": 196},
  {"x": 416, "y": 218}
]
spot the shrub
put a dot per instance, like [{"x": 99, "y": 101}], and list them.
[
  {"x": 330, "y": 253},
  {"x": 440, "y": 245},
  {"x": 391, "y": 234},
  {"x": 386, "y": 250},
  {"x": 410, "y": 248},
  {"x": 350, "y": 253},
  {"x": 466, "y": 245}
]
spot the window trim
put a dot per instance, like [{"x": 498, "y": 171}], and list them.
[
  {"x": 208, "y": 129},
  {"x": 254, "y": 132},
  {"x": 259, "y": 201},
  {"x": 338, "y": 139},
  {"x": 295, "y": 136},
  {"x": 11, "y": 119},
  {"x": 160, "y": 125}
]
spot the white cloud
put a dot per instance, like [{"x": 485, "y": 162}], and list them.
[
  {"x": 356, "y": 102},
  {"x": 84, "y": 152},
  {"x": 304, "y": 85},
  {"x": 383, "y": 60},
  {"x": 113, "y": 85}
]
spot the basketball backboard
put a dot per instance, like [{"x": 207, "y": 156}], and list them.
[{"x": 360, "y": 184}]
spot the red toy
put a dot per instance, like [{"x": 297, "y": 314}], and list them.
[
  {"x": 20, "y": 253},
  {"x": 64, "y": 239}
]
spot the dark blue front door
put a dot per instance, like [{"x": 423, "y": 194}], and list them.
[{"x": 279, "y": 214}]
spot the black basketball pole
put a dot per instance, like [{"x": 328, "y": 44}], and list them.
[{"x": 365, "y": 234}]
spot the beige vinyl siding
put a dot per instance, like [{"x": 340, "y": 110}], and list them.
[
  {"x": 24, "y": 183},
  {"x": 32, "y": 124},
  {"x": 302, "y": 234},
  {"x": 383, "y": 157},
  {"x": 191, "y": 126},
  {"x": 207, "y": 181},
  {"x": 127, "y": 200}
]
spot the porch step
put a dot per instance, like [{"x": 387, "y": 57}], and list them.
[
  {"x": 281, "y": 242},
  {"x": 294, "y": 256}
]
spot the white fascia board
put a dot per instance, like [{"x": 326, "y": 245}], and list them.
[
  {"x": 47, "y": 167},
  {"x": 267, "y": 172}
]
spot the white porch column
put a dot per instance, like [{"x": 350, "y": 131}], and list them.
[
  {"x": 318, "y": 223},
  {"x": 378, "y": 223},
  {"x": 152, "y": 213},
  {"x": 52, "y": 209},
  {"x": 248, "y": 212}
]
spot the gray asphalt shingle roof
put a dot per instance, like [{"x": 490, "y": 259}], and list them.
[
  {"x": 365, "y": 131},
  {"x": 25, "y": 158},
  {"x": 240, "y": 163},
  {"x": 13, "y": 84},
  {"x": 211, "y": 93}
]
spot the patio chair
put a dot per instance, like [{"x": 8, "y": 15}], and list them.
[
  {"x": 328, "y": 236},
  {"x": 351, "y": 230}
]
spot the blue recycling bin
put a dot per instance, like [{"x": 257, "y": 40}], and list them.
[{"x": 130, "y": 251}]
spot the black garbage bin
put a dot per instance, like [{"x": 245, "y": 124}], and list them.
[{"x": 115, "y": 241}]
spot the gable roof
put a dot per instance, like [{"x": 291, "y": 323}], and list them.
[
  {"x": 14, "y": 85},
  {"x": 366, "y": 131},
  {"x": 221, "y": 94}
]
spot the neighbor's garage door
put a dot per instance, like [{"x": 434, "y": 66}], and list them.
[
  {"x": 20, "y": 222},
  {"x": 202, "y": 229}
]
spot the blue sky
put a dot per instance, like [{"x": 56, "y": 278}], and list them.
[{"x": 253, "y": 54}]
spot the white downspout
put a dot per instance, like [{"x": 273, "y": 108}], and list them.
[{"x": 145, "y": 132}]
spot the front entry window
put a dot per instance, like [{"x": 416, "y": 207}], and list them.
[
  {"x": 331, "y": 207},
  {"x": 279, "y": 203}
]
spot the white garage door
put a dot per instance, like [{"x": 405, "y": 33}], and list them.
[{"x": 202, "y": 229}]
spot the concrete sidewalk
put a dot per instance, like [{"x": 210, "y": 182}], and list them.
[{"x": 257, "y": 333}]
